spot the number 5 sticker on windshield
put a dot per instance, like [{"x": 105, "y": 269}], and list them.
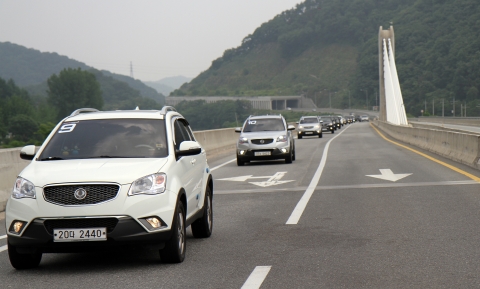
[{"x": 67, "y": 128}]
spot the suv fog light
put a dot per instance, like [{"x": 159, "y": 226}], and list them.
[
  {"x": 17, "y": 227},
  {"x": 153, "y": 223},
  {"x": 284, "y": 150},
  {"x": 242, "y": 152}
]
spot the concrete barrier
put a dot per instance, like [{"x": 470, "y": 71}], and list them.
[
  {"x": 216, "y": 142},
  {"x": 10, "y": 165},
  {"x": 458, "y": 146}
]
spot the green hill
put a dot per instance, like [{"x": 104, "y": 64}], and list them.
[
  {"x": 30, "y": 68},
  {"x": 325, "y": 48}
]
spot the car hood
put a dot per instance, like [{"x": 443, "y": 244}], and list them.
[
  {"x": 263, "y": 134},
  {"x": 122, "y": 171}
]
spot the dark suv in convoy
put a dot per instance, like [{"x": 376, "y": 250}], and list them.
[
  {"x": 266, "y": 137},
  {"x": 328, "y": 124}
]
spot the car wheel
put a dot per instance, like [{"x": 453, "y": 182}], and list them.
[
  {"x": 288, "y": 159},
  {"x": 202, "y": 228},
  {"x": 240, "y": 162},
  {"x": 23, "y": 261},
  {"x": 299, "y": 136},
  {"x": 294, "y": 154},
  {"x": 333, "y": 131},
  {"x": 174, "y": 251},
  {"x": 320, "y": 135}
]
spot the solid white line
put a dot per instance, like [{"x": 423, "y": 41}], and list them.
[
  {"x": 219, "y": 166},
  {"x": 3, "y": 248},
  {"x": 257, "y": 277},
  {"x": 3, "y": 237},
  {"x": 302, "y": 204}
]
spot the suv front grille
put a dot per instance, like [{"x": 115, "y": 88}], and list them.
[
  {"x": 108, "y": 223},
  {"x": 262, "y": 141},
  {"x": 65, "y": 195}
]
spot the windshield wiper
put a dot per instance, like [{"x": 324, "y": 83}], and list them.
[
  {"x": 108, "y": 157},
  {"x": 52, "y": 159}
]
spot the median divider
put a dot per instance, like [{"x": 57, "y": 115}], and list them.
[
  {"x": 462, "y": 147},
  {"x": 216, "y": 143}
]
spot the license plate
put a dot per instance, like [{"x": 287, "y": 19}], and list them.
[
  {"x": 87, "y": 234},
  {"x": 308, "y": 132},
  {"x": 262, "y": 153}
]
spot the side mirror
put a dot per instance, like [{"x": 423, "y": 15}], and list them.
[
  {"x": 27, "y": 152},
  {"x": 188, "y": 148},
  {"x": 238, "y": 129},
  {"x": 297, "y": 122},
  {"x": 291, "y": 127}
]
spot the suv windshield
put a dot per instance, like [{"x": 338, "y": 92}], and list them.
[
  {"x": 107, "y": 138},
  {"x": 264, "y": 124},
  {"x": 309, "y": 120}
]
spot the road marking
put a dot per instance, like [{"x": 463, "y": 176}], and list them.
[
  {"x": 272, "y": 180},
  {"x": 219, "y": 166},
  {"x": 3, "y": 237},
  {"x": 257, "y": 277},
  {"x": 473, "y": 177},
  {"x": 302, "y": 204},
  {"x": 388, "y": 175},
  {"x": 360, "y": 186},
  {"x": 3, "y": 248}
]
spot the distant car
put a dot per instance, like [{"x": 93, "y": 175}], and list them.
[
  {"x": 328, "y": 124},
  {"x": 266, "y": 137},
  {"x": 364, "y": 118},
  {"x": 309, "y": 126}
]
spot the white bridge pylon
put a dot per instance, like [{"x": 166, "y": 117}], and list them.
[{"x": 395, "y": 109}]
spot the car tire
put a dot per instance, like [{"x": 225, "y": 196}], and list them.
[
  {"x": 333, "y": 131},
  {"x": 294, "y": 154},
  {"x": 240, "y": 162},
  {"x": 299, "y": 137},
  {"x": 174, "y": 251},
  {"x": 23, "y": 261},
  {"x": 289, "y": 158},
  {"x": 320, "y": 135},
  {"x": 202, "y": 228}
]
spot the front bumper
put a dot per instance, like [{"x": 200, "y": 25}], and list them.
[
  {"x": 310, "y": 132},
  {"x": 38, "y": 236},
  {"x": 276, "y": 153}
]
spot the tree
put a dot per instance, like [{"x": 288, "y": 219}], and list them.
[
  {"x": 73, "y": 89},
  {"x": 23, "y": 127}
]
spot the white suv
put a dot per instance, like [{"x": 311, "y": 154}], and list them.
[{"x": 108, "y": 178}]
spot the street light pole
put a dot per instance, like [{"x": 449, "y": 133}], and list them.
[{"x": 330, "y": 98}]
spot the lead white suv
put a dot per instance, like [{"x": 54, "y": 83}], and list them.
[{"x": 108, "y": 178}]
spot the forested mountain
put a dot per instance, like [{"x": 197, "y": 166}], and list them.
[
  {"x": 329, "y": 48},
  {"x": 31, "y": 68},
  {"x": 168, "y": 84}
]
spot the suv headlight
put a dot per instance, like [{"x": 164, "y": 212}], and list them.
[
  {"x": 242, "y": 140},
  {"x": 23, "y": 189},
  {"x": 282, "y": 138},
  {"x": 149, "y": 185}
]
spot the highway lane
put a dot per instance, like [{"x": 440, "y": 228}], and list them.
[{"x": 356, "y": 231}]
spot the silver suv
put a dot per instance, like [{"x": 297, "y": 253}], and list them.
[
  {"x": 266, "y": 137},
  {"x": 309, "y": 126}
]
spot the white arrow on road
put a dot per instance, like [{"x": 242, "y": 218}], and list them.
[
  {"x": 272, "y": 180},
  {"x": 388, "y": 175}
]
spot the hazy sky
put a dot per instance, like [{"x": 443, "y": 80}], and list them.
[{"x": 160, "y": 37}]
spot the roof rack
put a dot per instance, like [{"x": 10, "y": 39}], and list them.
[
  {"x": 80, "y": 110},
  {"x": 166, "y": 109}
]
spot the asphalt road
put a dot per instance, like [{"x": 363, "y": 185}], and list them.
[{"x": 328, "y": 220}]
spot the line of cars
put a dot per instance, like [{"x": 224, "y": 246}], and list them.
[{"x": 269, "y": 137}]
